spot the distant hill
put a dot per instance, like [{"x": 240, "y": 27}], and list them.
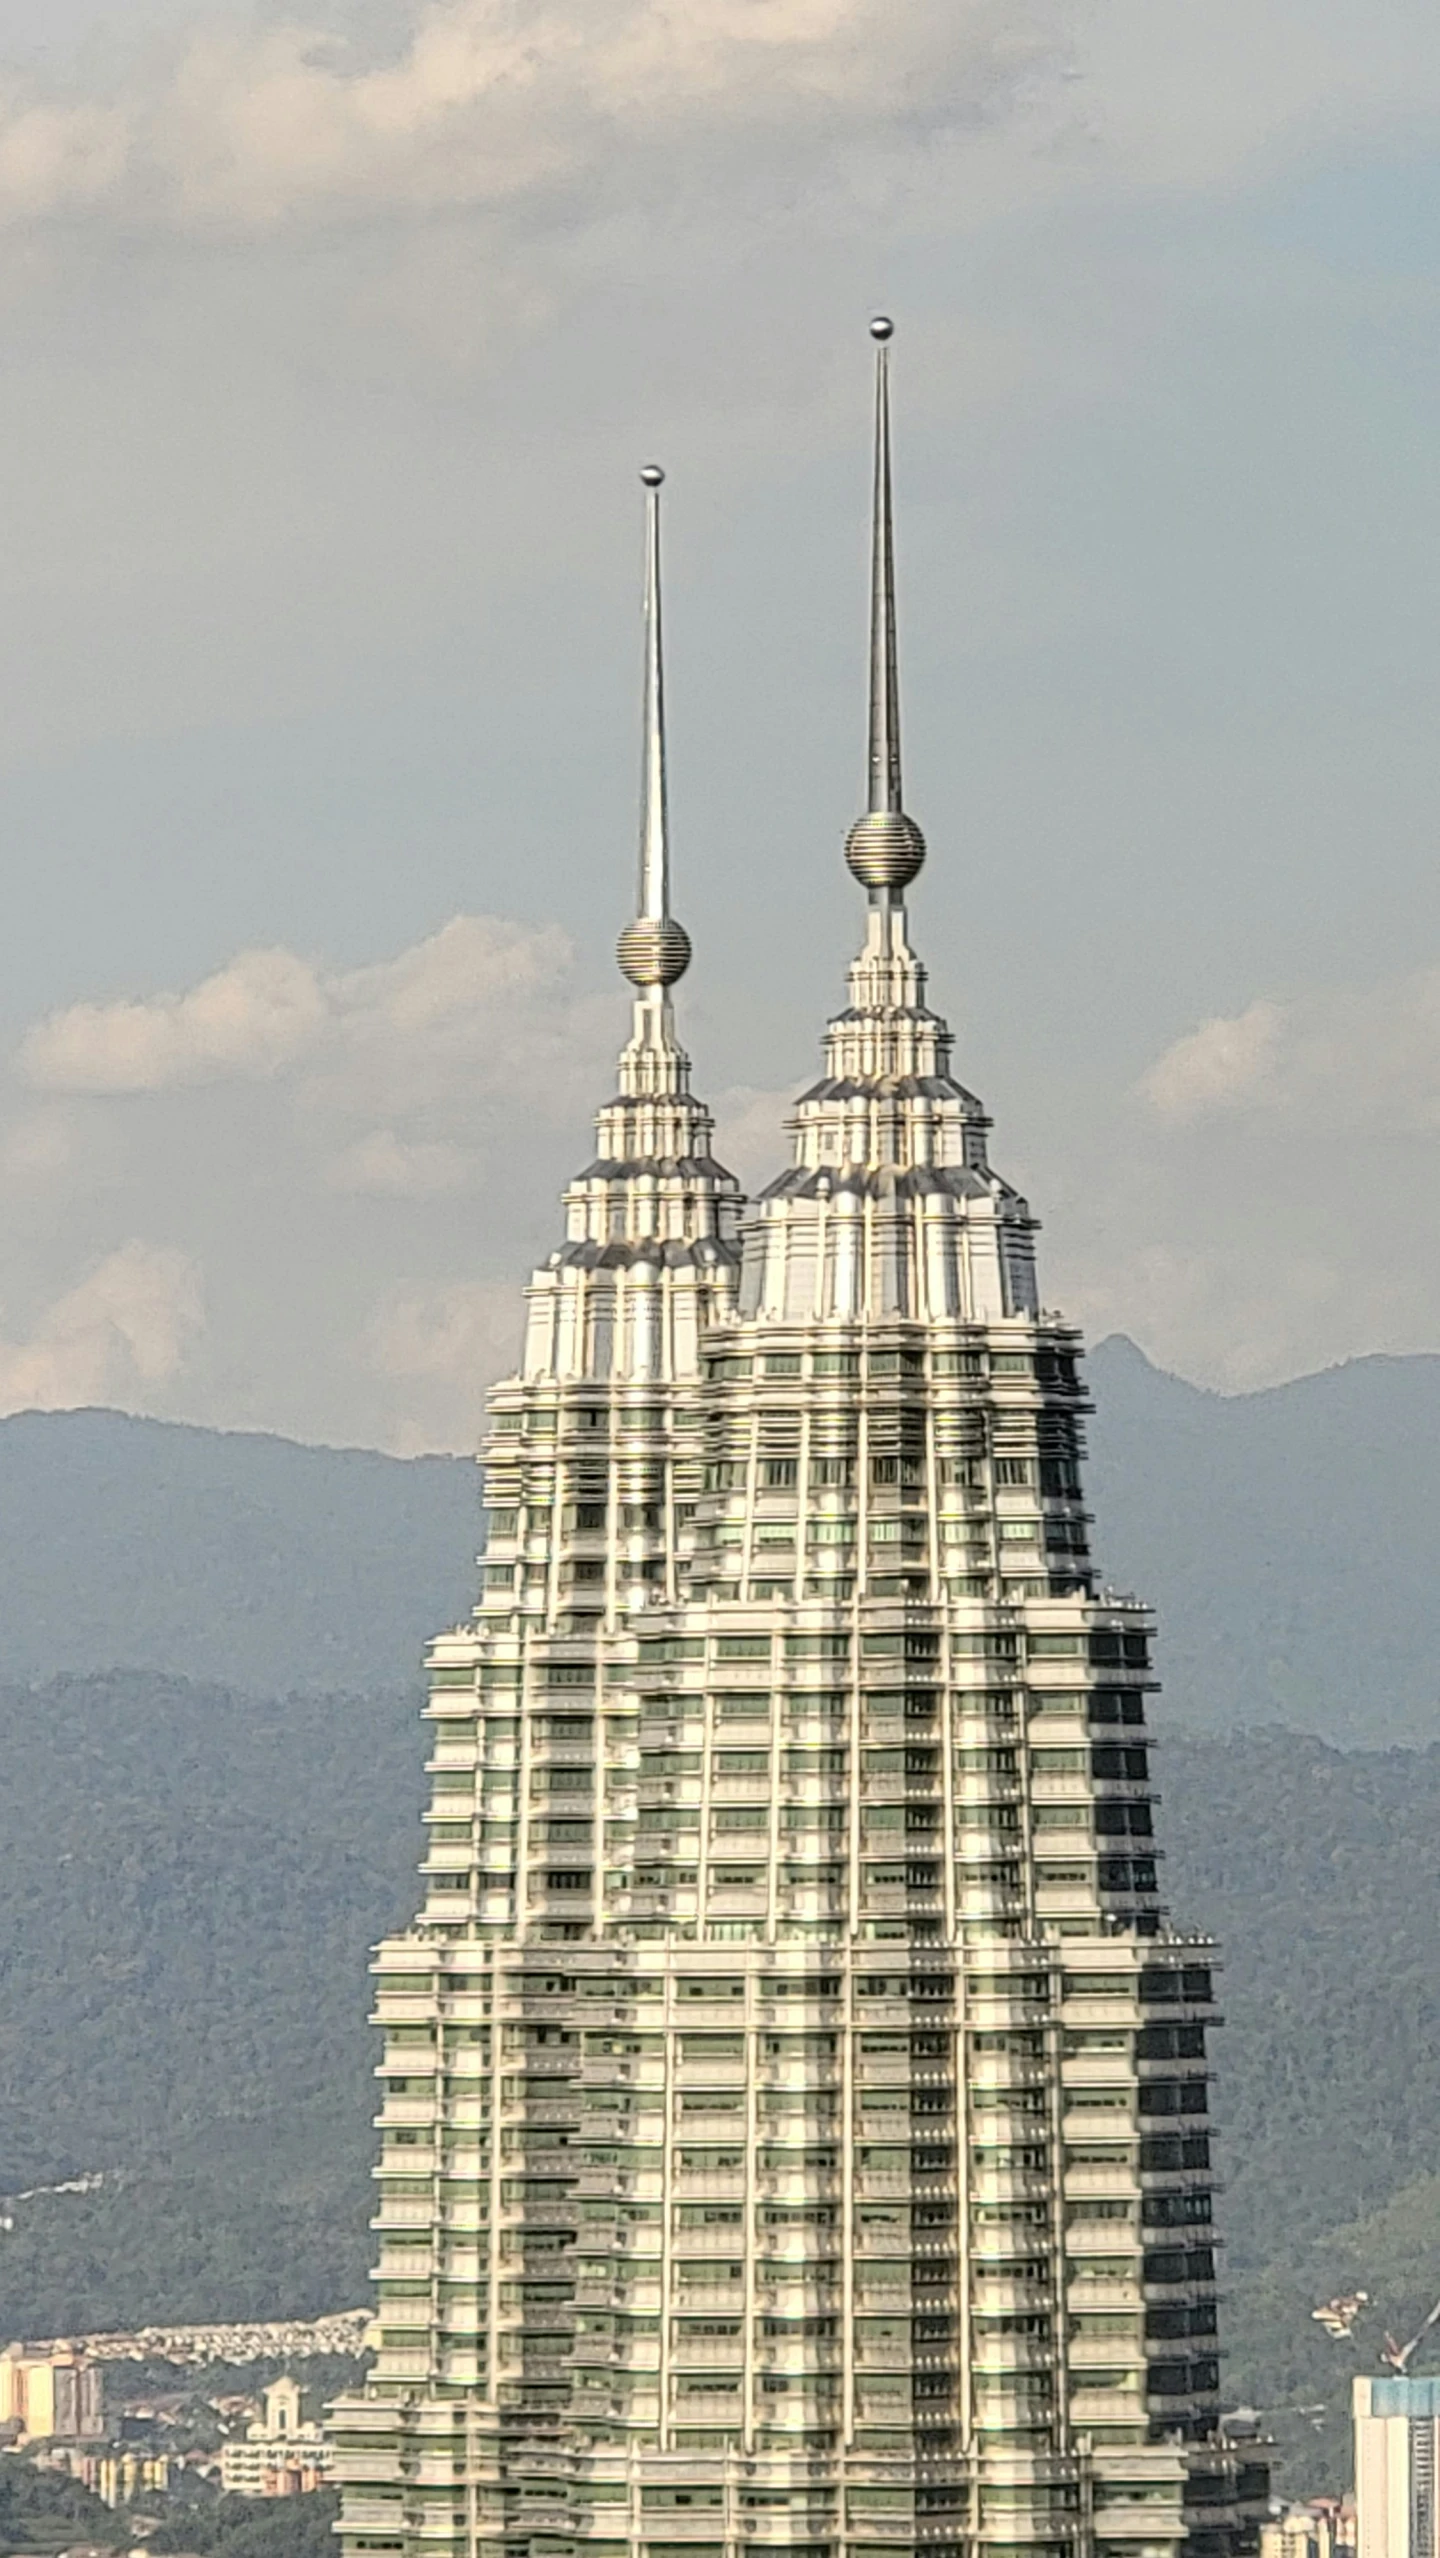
[
  {"x": 211, "y": 1772},
  {"x": 1289, "y": 1538},
  {"x": 190, "y": 1883},
  {"x": 1319, "y": 1871},
  {"x": 224, "y": 1555}
]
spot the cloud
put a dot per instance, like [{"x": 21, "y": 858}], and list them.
[
  {"x": 251, "y": 1018},
  {"x": 750, "y": 1138},
  {"x": 364, "y": 1162},
  {"x": 386, "y": 1166},
  {"x": 124, "y": 1329},
  {"x": 561, "y": 112},
  {"x": 270, "y": 1010},
  {"x": 488, "y": 103},
  {"x": 1274, "y": 1209},
  {"x": 1224, "y": 1065},
  {"x": 59, "y": 158},
  {"x": 37, "y": 1145},
  {"x": 1215, "y": 1309},
  {"x": 472, "y": 959},
  {"x": 1353, "y": 1061},
  {"x": 355, "y": 1155},
  {"x": 445, "y": 1345}
]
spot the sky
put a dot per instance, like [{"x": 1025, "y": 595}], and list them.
[{"x": 332, "y": 337}]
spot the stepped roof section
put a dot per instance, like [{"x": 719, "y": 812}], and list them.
[
  {"x": 650, "y": 1251},
  {"x": 890, "y": 1207}
]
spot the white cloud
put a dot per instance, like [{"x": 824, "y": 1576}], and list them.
[
  {"x": 481, "y": 983},
  {"x": 1224, "y": 1065},
  {"x": 354, "y": 1154},
  {"x": 750, "y": 1138},
  {"x": 37, "y": 1145},
  {"x": 251, "y": 1018},
  {"x": 1216, "y": 1309},
  {"x": 560, "y": 112},
  {"x": 366, "y": 1172},
  {"x": 59, "y": 158},
  {"x": 484, "y": 103},
  {"x": 124, "y": 1329},
  {"x": 1275, "y": 1208},
  {"x": 445, "y": 1345},
  {"x": 386, "y": 1166},
  {"x": 1350, "y": 1060}
]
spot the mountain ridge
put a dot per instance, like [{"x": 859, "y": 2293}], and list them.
[
  {"x": 130, "y": 1543},
  {"x": 1286, "y": 1537}
]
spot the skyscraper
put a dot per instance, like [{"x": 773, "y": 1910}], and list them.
[
  {"x": 794, "y": 2124},
  {"x": 1397, "y": 2440}
]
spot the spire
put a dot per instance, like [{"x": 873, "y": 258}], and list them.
[
  {"x": 884, "y": 676},
  {"x": 654, "y": 950},
  {"x": 884, "y": 848}
]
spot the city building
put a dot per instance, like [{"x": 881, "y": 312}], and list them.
[
  {"x": 1321, "y": 2527},
  {"x": 123, "y": 2477},
  {"x": 794, "y": 2121},
  {"x": 284, "y": 2453},
  {"x": 1397, "y": 2455},
  {"x": 50, "y": 2392}
]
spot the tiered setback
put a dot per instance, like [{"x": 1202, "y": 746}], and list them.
[
  {"x": 795, "y": 2118},
  {"x": 795, "y": 2103}
]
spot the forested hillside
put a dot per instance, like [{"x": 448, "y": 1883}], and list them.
[
  {"x": 190, "y": 1879},
  {"x": 190, "y": 1882},
  {"x": 1319, "y": 1871},
  {"x": 198, "y": 1847}
]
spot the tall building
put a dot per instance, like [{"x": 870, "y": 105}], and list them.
[
  {"x": 50, "y": 2392},
  {"x": 795, "y": 2098},
  {"x": 1397, "y": 2460},
  {"x": 284, "y": 2452},
  {"x": 1320, "y": 2528}
]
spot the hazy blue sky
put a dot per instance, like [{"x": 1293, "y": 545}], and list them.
[{"x": 330, "y": 342}]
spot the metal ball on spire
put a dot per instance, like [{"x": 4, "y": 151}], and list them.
[
  {"x": 881, "y": 329},
  {"x": 653, "y": 951},
  {"x": 885, "y": 849}
]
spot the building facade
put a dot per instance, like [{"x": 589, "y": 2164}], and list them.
[
  {"x": 284, "y": 2452},
  {"x": 50, "y": 2393},
  {"x": 795, "y": 2097},
  {"x": 1397, "y": 2453}
]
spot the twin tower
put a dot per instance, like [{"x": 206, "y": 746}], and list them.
[{"x": 794, "y": 2122}]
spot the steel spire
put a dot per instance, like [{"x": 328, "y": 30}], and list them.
[
  {"x": 653, "y": 951},
  {"x": 885, "y": 848},
  {"x": 884, "y": 677}
]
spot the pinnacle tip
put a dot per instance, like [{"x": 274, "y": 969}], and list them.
[
  {"x": 652, "y": 475},
  {"x": 881, "y": 329}
]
